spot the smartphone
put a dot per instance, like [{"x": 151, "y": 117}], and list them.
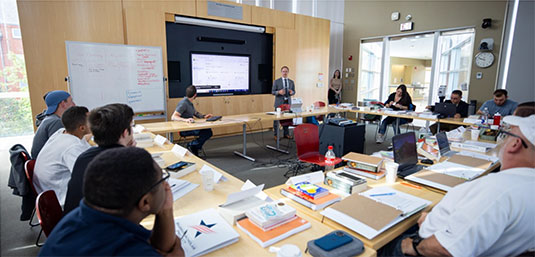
[
  {"x": 176, "y": 166},
  {"x": 333, "y": 241}
]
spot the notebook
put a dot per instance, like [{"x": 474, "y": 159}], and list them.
[
  {"x": 315, "y": 205},
  {"x": 204, "y": 232},
  {"x": 267, "y": 238}
]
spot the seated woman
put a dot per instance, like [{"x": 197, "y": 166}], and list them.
[{"x": 400, "y": 100}]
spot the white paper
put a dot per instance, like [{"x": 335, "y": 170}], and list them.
[
  {"x": 313, "y": 177},
  {"x": 241, "y": 195},
  {"x": 492, "y": 159},
  {"x": 261, "y": 195},
  {"x": 406, "y": 203},
  {"x": 179, "y": 151},
  {"x": 180, "y": 188},
  {"x": 138, "y": 128},
  {"x": 481, "y": 144},
  {"x": 217, "y": 175},
  {"x": 456, "y": 170},
  {"x": 159, "y": 140}
]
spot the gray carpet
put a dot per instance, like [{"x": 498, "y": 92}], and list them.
[{"x": 18, "y": 239}]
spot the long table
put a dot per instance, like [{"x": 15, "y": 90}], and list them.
[
  {"x": 199, "y": 199},
  {"x": 234, "y": 120}
]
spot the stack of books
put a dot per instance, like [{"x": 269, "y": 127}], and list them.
[
  {"x": 310, "y": 195},
  {"x": 345, "y": 182},
  {"x": 364, "y": 165},
  {"x": 271, "y": 222}
]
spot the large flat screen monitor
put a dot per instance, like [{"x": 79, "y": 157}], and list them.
[{"x": 218, "y": 74}]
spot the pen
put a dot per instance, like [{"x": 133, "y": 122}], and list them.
[
  {"x": 374, "y": 195},
  {"x": 185, "y": 231},
  {"x": 411, "y": 185}
]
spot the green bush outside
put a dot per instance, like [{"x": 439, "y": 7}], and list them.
[{"x": 15, "y": 117}]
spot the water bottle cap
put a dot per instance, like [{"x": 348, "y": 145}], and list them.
[{"x": 330, "y": 147}]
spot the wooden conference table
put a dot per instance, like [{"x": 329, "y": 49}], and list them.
[
  {"x": 199, "y": 199},
  {"x": 233, "y": 120}
]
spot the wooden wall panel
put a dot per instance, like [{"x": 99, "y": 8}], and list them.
[
  {"x": 182, "y": 7},
  {"x": 46, "y": 25},
  {"x": 273, "y": 18},
  {"x": 285, "y": 53},
  {"x": 312, "y": 58},
  {"x": 202, "y": 11}
]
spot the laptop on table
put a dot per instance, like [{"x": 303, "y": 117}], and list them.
[
  {"x": 404, "y": 147},
  {"x": 445, "y": 110},
  {"x": 444, "y": 145}
]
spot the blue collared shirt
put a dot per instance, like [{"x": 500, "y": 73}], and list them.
[
  {"x": 507, "y": 108},
  {"x": 86, "y": 231}
]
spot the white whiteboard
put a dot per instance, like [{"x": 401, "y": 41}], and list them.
[{"x": 101, "y": 74}]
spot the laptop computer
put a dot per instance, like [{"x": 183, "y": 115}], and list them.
[
  {"x": 444, "y": 145},
  {"x": 445, "y": 110},
  {"x": 404, "y": 147}
]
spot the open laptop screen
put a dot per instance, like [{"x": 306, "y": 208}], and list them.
[
  {"x": 405, "y": 149},
  {"x": 443, "y": 144}
]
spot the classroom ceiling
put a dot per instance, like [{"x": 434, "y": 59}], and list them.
[{"x": 416, "y": 47}]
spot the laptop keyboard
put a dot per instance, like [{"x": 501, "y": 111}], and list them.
[{"x": 410, "y": 170}]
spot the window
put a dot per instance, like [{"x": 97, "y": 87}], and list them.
[
  {"x": 15, "y": 32},
  {"x": 371, "y": 54}
]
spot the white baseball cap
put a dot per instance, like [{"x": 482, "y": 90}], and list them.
[{"x": 525, "y": 124}]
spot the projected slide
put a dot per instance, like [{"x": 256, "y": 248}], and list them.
[{"x": 220, "y": 73}]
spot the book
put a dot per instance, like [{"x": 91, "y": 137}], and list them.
[
  {"x": 312, "y": 204},
  {"x": 363, "y": 162},
  {"x": 239, "y": 202},
  {"x": 203, "y": 232},
  {"x": 267, "y": 238},
  {"x": 364, "y": 173},
  {"x": 427, "y": 150},
  {"x": 345, "y": 182},
  {"x": 271, "y": 215},
  {"x": 184, "y": 170},
  {"x": 379, "y": 209},
  {"x": 308, "y": 190}
]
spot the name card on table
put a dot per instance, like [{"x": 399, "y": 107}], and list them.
[
  {"x": 159, "y": 140},
  {"x": 179, "y": 151}
]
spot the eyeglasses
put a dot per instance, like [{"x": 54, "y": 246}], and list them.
[
  {"x": 505, "y": 132},
  {"x": 165, "y": 176}
]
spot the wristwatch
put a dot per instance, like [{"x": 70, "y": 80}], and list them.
[{"x": 416, "y": 239}]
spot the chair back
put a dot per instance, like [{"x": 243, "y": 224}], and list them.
[
  {"x": 29, "y": 165},
  {"x": 289, "y": 122},
  {"x": 319, "y": 104},
  {"x": 284, "y": 107},
  {"x": 48, "y": 210},
  {"x": 307, "y": 139}
]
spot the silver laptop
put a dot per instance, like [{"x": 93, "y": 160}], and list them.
[{"x": 444, "y": 145}]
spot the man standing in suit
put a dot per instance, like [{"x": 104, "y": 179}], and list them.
[{"x": 283, "y": 89}]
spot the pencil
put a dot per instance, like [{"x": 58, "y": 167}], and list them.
[{"x": 411, "y": 185}]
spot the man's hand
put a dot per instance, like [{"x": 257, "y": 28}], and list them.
[
  {"x": 291, "y": 92},
  {"x": 422, "y": 218},
  {"x": 406, "y": 247},
  {"x": 428, "y": 107},
  {"x": 457, "y": 115},
  {"x": 132, "y": 142},
  {"x": 281, "y": 92},
  {"x": 208, "y": 116},
  {"x": 168, "y": 203}
]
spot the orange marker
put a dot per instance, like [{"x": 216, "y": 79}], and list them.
[{"x": 411, "y": 185}]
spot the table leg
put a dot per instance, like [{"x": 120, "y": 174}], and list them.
[
  {"x": 397, "y": 127},
  {"x": 277, "y": 148},
  {"x": 438, "y": 126},
  {"x": 244, "y": 151}
]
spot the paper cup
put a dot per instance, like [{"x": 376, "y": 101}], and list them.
[
  {"x": 391, "y": 172},
  {"x": 289, "y": 250},
  {"x": 207, "y": 180},
  {"x": 278, "y": 111},
  {"x": 475, "y": 134}
]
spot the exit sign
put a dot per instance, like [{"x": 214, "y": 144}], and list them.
[{"x": 406, "y": 26}]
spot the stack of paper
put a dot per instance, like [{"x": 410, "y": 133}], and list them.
[
  {"x": 239, "y": 202},
  {"x": 180, "y": 187},
  {"x": 204, "y": 232},
  {"x": 378, "y": 209},
  {"x": 474, "y": 146},
  {"x": 267, "y": 238}
]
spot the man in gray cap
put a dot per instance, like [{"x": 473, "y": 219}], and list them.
[{"x": 57, "y": 102}]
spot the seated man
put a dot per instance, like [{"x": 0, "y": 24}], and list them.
[
  {"x": 185, "y": 111},
  {"x": 461, "y": 111},
  {"x": 500, "y": 104},
  {"x": 54, "y": 164},
  {"x": 57, "y": 102},
  {"x": 122, "y": 186},
  {"x": 111, "y": 126},
  {"x": 490, "y": 216}
]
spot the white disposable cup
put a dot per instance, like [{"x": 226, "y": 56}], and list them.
[
  {"x": 208, "y": 180},
  {"x": 289, "y": 250},
  {"x": 475, "y": 134},
  {"x": 278, "y": 111},
  {"x": 391, "y": 172}
]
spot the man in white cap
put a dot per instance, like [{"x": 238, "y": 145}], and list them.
[
  {"x": 491, "y": 216},
  {"x": 57, "y": 103}
]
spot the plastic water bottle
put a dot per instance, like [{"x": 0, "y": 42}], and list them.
[
  {"x": 485, "y": 119},
  {"x": 329, "y": 159}
]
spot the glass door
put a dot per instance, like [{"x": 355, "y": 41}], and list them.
[{"x": 371, "y": 55}]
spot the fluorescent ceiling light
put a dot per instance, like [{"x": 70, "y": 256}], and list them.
[{"x": 217, "y": 24}]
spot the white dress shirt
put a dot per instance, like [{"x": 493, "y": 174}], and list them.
[
  {"x": 55, "y": 162},
  {"x": 490, "y": 216}
]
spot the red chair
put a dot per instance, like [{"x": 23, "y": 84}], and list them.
[
  {"x": 319, "y": 104},
  {"x": 288, "y": 122},
  {"x": 308, "y": 143},
  {"x": 28, "y": 169},
  {"x": 49, "y": 212}
]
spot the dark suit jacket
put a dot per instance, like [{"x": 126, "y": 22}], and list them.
[
  {"x": 277, "y": 85},
  {"x": 461, "y": 108}
]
